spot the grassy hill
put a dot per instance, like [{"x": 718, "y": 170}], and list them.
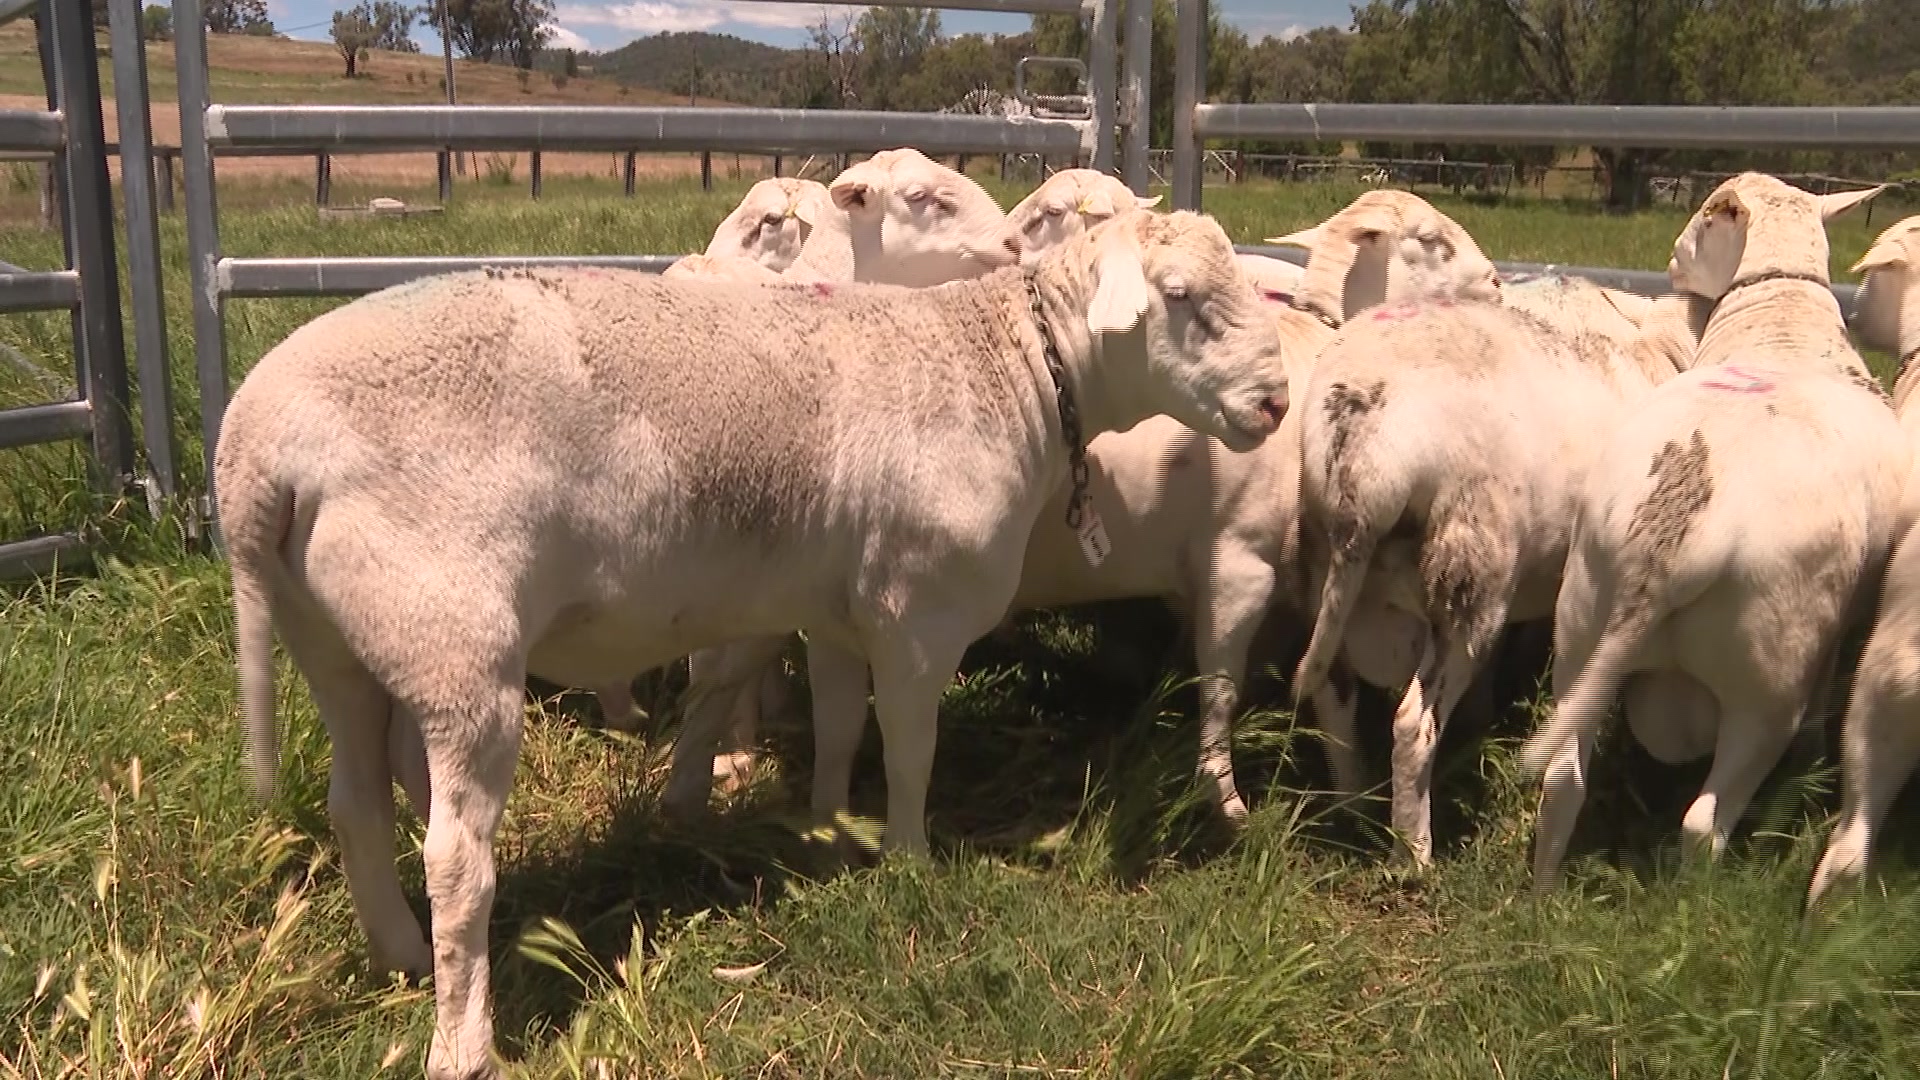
[
  {"x": 729, "y": 67},
  {"x": 272, "y": 71}
]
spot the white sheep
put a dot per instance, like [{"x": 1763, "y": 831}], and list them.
[
  {"x": 772, "y": 222},
  {"x": 1067, "y": 204},
  {"x": 1217, "y": 544},
  {"x": 554, "y": 464},
  {"x": 1730, "y": 528},
  {"x": 1880, "y": 739},
  {"x": 1435, "y": 508}
]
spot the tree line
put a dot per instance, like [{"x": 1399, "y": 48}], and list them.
[{"x": 1612, "y": 52}]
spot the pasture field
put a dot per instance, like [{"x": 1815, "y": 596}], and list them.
[{"x": 1083, "y": 915}]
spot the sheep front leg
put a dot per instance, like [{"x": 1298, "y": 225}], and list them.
[
  {"x": 1225, "y": 620},
  {"x": 716, "y": 678},
  {"x": 909, "y": 673},
  {"x": 840, "y": 685}
]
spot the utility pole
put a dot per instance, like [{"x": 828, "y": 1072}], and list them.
[{"x": 446, "y": 55}]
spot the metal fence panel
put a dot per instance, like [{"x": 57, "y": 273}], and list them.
[
  {"x": 1664, "y": 126},
  {"x": 359, "y": 128},
  {"x": 143, "y": 249},
  {"x": 350, "y": 276},
  {"x": 51, "y": 290},
  {"x": 36, "y": 424},
  {"x": 30, "y": 130}
]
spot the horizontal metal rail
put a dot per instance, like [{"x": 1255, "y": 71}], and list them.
[
  {"x": 44, "y": 423},
  {"x": 53, "y": 290},
  {"x": 357, "y": 128},
  {"x": 31, "y": 129},
  {"x": 1680, "y": 127},
  {"x": 39, "y": 556},
  {"x": 351, "y": 276},
  {"x": 1016, "y": 7},
  {"x": 1642, "y": 282}
]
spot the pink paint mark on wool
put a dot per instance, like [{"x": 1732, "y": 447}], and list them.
[
  {"x": 821, "y": 288},
  {"x": 1276, "y": 296},
  {"x": 1739, "y": 380}
]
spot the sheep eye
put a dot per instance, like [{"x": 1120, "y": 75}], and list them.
[
  {"x": 1056, "y": 211},
  {"x": 772, "y": 221},
  {"x": 1176, "y": 292}
]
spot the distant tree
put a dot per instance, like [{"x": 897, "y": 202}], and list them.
[
  {"x": 571, "y": 66},
  {"x": 393, "y": 22},
  {"x": 893, "y": 44},
  {"x": 156, "y": 23},
  {"x": 238, "y": 17},
  {"x": 486, "y": 30},
  {"x": 353, "y": 34}
]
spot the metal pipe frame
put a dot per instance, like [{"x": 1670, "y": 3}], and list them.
[
  {"x": 143, "y": 250},
  {"x": 1135, "y": 98},
  {"x": 31, "y": 131},
  {"x": 203, "y": 235},
  {"x": 51, "y": 290},
  {"x": 35, "y": 424},
  {"x": 1103, "y": 78},
  {"x": 1189, "y": 87},
  {"x": 356, "y": 276},
  {"x": 87, "y": 205},
  {"x": 41, "y": 555},
  {"x": 604, "y": 128},
  {"x": 1676, "y": 127}
]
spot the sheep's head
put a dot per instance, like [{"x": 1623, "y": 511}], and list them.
[
  {"x": 916, "y": 222},
  {"x": 1069, "y": 203},
  {"x": 1178, "y": 326},
  {"x": 1892, "y": 269},
  {"x": 1394, "y": 245},
  {"x": 722, "y": 268},
  {"x": 771, "y": 222},
  {"x": 1753, "y": 224}
]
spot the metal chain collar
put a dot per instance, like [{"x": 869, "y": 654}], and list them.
[{"x": 1069, "y": 411}]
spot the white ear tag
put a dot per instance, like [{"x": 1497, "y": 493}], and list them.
[{"x": 1093, "y": 535}]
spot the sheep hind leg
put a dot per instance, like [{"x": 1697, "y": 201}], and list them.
[
  {"x": 1747, "y": 747},
  {"x": 717, "y": 678},
  {"x": 1445, "y": 672},
  {"x": 1879, "y": 746},
  {"x": 364, "y": 726}
]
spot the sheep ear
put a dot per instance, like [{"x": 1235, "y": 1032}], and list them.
[
  {"x": 1122, "y": 295},
  {"x": 1884, "y": 254},
  {"x": 1832, "y": 206},
  {"x": 1631, "y": 306},
  {"x": 848, "y": 194},
  {"x": 1097, "y": 204},
  {"x": 1146, "y": 202},
  {"x": 1305, "y": 238},
  {"x": 1725, "y": 202}
]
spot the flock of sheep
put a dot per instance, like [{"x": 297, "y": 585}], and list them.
[{"x": 885, "y": 413}]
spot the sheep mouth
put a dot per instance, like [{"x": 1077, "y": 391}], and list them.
[{"x": 1251, "y": 424}]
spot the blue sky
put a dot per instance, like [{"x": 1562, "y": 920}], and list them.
[{"x": 608, "y": 24}]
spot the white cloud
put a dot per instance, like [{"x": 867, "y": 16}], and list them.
[
  {"x": 657, "y": 16},
  {"x": 563, "y": 38},
  {"x": 1289, "y": 33}
]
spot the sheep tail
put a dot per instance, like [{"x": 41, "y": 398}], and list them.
[
  {"x": 1346, "y": 573},
  {"x": 251, "y": 549}
]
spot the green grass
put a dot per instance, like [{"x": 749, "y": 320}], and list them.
[{"x": 1083, "y": 916}]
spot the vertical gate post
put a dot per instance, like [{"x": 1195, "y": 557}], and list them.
[
  {"x": 1102, "y": 56},
  {"x": 143, "y": 250},
  {"x": 1189, "y": 86},
  {"x": 626, "y": 173},
  {"x": 1135, "y": 108},
  {"x": 87, "y": 203},
  {"x": 533, "y": 168},
  {"x": 203, "y": 237}
]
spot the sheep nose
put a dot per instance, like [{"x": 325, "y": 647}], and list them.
[{"x": 1012, "y": 244}]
